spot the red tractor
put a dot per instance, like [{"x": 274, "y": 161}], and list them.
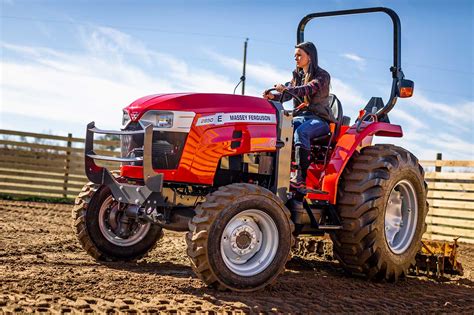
[{"x": 218, "y": 167}]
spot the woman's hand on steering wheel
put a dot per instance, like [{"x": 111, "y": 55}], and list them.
[
  {"x": 267, "y": 93},
  {"x": 280, "y": 88}
]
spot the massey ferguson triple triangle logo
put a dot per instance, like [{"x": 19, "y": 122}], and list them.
[
  {"x": 134, "y": 115},
  {"x": 223, "y": 118}
]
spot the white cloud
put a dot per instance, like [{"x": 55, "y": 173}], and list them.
[
  {"x": 353, "y": 57},
  {"x": 431, "y": 127},
  {"x": 452, "y": 143},
  {"x": 454, "y": 114},
  {"x": 425, "y": 145},
  {"x": 425, "y": 140},
  {"x": 105, "y": 41},
  {"x": 360, "y": 62},
  {"x": 406, "y": 118},
  {"x": 351, "y": 99},
  {"x": 26, "y": 50},
  {"x": 262, "y": 73},
  {"x": 115, "y": 69},
  {"x": 44, "y": 29},
  {"x": 80, "y": 87}
]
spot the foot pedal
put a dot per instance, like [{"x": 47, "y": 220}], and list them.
[{"x": 330, "y": 227}]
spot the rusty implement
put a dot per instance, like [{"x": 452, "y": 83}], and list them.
[
  {"x": 313, "y": 247},
  {"x": 438, "y": 258}
]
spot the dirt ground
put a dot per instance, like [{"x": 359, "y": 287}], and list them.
[{"x": 43, "y": 269}]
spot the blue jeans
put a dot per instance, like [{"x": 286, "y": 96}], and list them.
[{"x": 307, "y": 128}]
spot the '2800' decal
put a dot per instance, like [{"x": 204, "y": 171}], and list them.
[{"x": 223, "y": 118}]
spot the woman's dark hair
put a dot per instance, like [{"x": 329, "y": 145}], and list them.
[{"x": 312, "y": 52}]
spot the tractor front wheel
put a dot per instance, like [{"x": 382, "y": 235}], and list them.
[
  {"x": 240, "y": 238},
  {"x": 97, "y": 217},
  {"x": 382, "y": 203}
]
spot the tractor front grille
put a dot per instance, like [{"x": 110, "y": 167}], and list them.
[{"x": 167, "y": 147}]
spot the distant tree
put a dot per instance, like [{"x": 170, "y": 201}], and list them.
[{"x": 111, "y": 147}]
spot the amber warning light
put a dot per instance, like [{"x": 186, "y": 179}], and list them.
[{"x": 406, "y": 88}]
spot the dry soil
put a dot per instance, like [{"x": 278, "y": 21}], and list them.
[{"x": 43, "y": 269}]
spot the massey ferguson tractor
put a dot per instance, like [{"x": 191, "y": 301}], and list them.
[{"x": 218, "y": 167}]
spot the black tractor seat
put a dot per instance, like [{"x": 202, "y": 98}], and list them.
[
  {"x": 321, "y": 140},
  {"x": 335, "y": 128}
]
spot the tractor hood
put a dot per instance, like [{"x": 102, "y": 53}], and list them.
[{"x": 200, "y": 103}]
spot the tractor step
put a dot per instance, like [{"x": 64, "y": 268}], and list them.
[
  {"x": 306, "y": 191},
  {"x": 330, "y": 227}
]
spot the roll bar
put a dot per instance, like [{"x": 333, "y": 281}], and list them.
[{"x": 397, "y": 73}]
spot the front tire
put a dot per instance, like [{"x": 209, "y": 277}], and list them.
[
  {"x": 382, "y": 203},
  {"x": 96, "y": 215},
  {"x": 240, "y": 238}
]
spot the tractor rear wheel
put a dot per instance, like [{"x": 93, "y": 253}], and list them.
[
  {"x": 382, "y": 203},
  {"x": 96, "y": 220},
  {"x": 240, "y": 238}
]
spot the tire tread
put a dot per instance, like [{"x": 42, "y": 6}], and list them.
[{"x": 360, "y": 193}]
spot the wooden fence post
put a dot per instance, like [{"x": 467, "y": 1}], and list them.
[
  {"x": 67, "y": 164},
  {"x": 439, "y": 157}
]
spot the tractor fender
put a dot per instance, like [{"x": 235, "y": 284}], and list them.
[{"x": 345, "y": 148}]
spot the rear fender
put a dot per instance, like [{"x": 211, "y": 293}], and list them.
[{"x": 347, "y": 144}]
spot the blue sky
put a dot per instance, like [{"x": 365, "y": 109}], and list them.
[{"x": 65, "y": 63}]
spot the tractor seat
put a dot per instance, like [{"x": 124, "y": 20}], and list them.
[
  {"x": 321, "y": 140},
  {"x": 336, "y": 109}
]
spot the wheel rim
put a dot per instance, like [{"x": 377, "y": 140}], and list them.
[
  {"x": 401, "y": 217},
  {"x": 109, "y": 216},
  {"x": 249, "y": 242}
]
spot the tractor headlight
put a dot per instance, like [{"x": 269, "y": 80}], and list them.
[
  {"x": 159, "y": 119},
  {"x": 125, "y": 118}
]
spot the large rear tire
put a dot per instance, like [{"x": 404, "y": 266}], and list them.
[
  {"x": 382, "y": 203},
  {"x": 96, "y": 215},
  {"x": 240, "y": 238}
]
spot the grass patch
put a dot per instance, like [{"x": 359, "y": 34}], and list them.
[{"x": 37, "y": 199}]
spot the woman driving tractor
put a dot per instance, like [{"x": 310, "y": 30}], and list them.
[{"x": 313, "y": 116}]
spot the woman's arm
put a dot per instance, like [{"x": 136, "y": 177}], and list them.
[
  {"x": 286, "y": 96},
  {"x": 318, "y": 85},
  {"x": 311, "y": 88}
]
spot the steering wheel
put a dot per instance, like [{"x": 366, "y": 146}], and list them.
[{"x": 296, "y": 97}]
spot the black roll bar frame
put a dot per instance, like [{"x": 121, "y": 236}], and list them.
[{"x": 397, "y": 73}]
